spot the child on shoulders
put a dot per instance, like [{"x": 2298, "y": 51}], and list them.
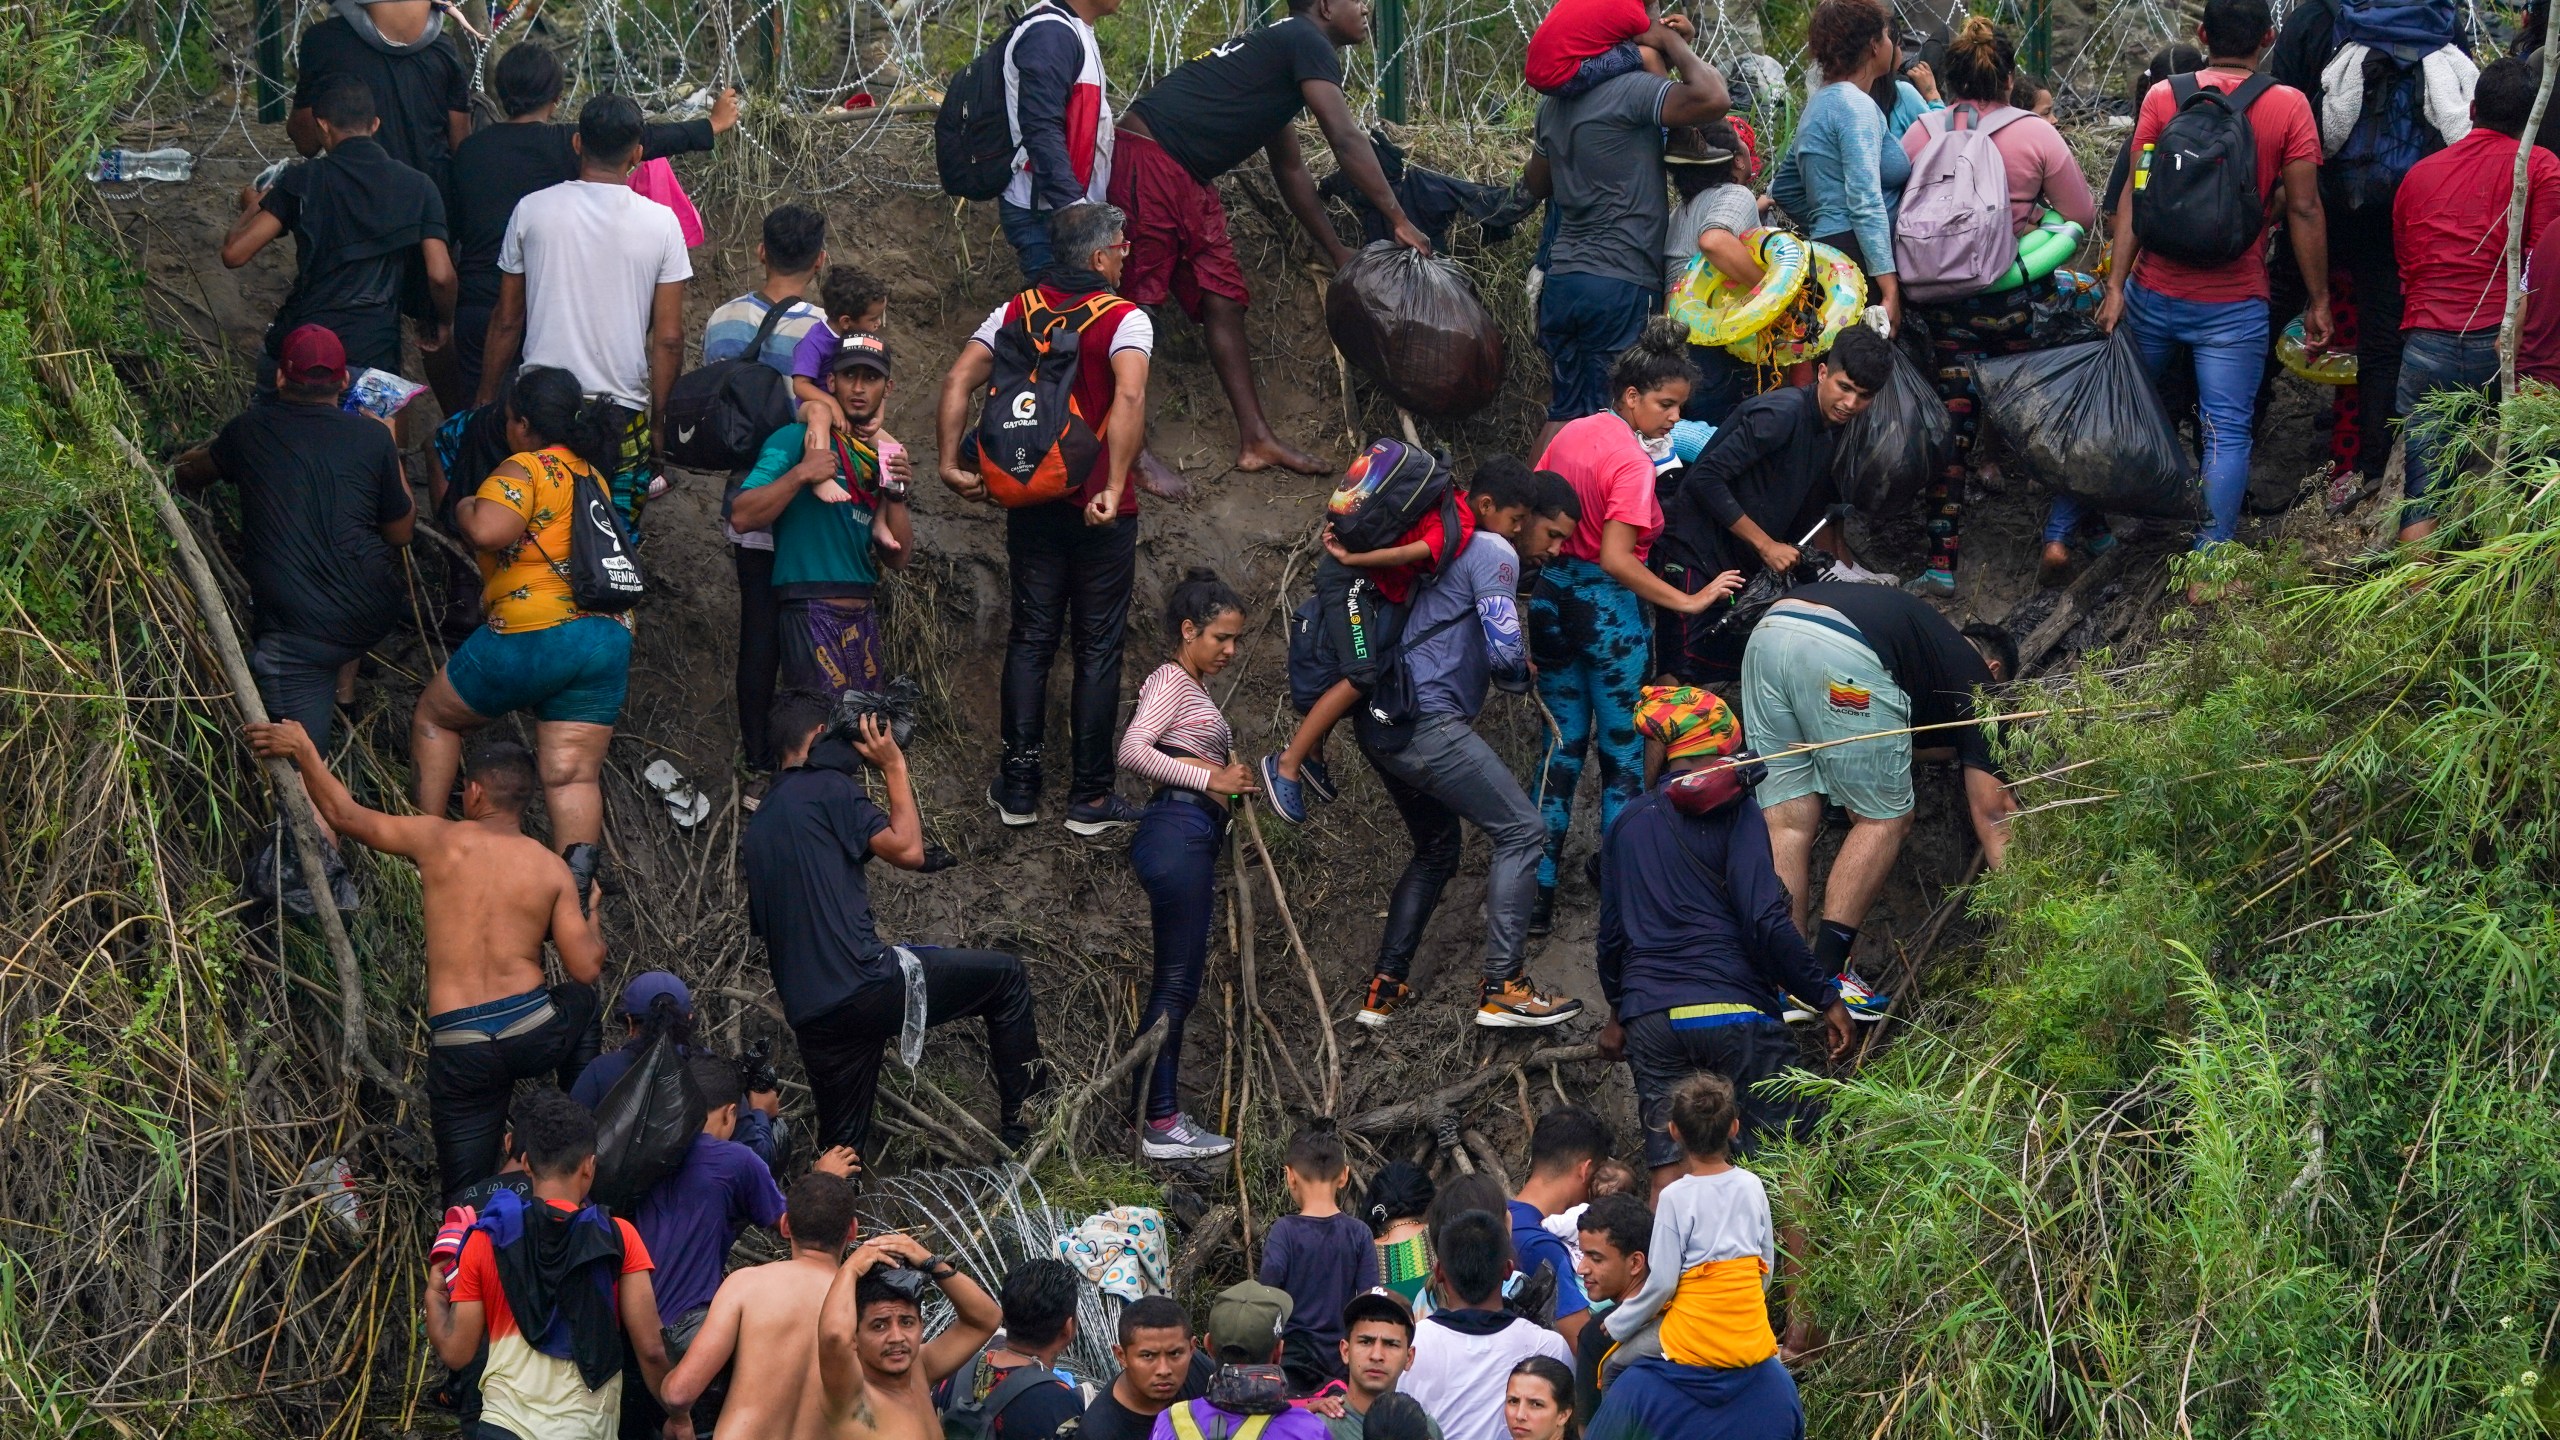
[{"x": 1713, "y": 1245}]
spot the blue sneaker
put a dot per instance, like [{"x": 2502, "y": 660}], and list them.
[
  {"x": 1317, "y": 781},
  {"x": 1282, "y": 792},
  {"x": 1867, "y": 1004}
]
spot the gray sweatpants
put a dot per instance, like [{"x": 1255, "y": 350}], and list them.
[{"x": 1447, "y": 773}]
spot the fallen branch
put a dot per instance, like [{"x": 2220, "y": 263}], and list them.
[
  {"x": 1198, "y": 1247},
  {"x": 2073, "y": 606},
  {"x": 1298, "y": 944},
  {"x": 1418, "y": 1111},
  {"x": 355, "y": 1050},
  {"x": 1064, "y": 1119}
]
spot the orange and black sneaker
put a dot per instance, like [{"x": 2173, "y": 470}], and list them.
[
  {"x": 1518, "y": 1004},
  {"x": 1386, "y": 996}
]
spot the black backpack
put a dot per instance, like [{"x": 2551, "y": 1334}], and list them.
[
  {"x": 604, "y": 576},
  {"x": 2391, "y": 134},
  {"x": 718, "y": 417},
  {"x": 972, "y": 136},
  {"x": 975, "y": 1419},
  {"x": 2195, "y": 196}
]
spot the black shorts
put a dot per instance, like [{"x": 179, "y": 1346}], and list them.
[{"x": 1662, "y": 1053}]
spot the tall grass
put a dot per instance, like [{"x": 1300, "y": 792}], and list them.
[{"x": 2242, "y": 1123}]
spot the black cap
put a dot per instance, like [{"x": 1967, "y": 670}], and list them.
[{"x": 860, "y": 350}]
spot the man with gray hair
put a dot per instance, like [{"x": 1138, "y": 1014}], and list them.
[{"x": 1075, "y": 556}]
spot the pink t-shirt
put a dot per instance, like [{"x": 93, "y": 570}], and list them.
[
  {"x": 2285, "y": 132},
  {"x": 2040, "y": 167},
  {"x": 1612, "y": 477}
]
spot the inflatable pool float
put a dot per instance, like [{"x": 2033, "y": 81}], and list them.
[
  {"x": 2334, "y": 367},
  {"x": 2041, "y": 251},
  {"x": 1831, "y": 298},
  {"x": 1718, "y": 312}
]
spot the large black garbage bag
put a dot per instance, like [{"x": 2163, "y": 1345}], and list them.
[
  {"x": 2089, "y": 424},
  {"x": 646, "y": 1125},
  {"x": 1412, "y": 324},
  {"x": 1895, "y": 444}
]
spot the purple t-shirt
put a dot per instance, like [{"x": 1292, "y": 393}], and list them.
[
  {"x": 694, "y": 1216},
  {"x": 813, "y": 351},
  {"x": 1322, "y": 1264}
]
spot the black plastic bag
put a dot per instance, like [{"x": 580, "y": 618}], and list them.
[
  {"x": 1412, "y": 324},
  {"x": 1895, "y": 444},
  {"x": 646, "y": 1125},
  {"x": 2088, "y": 423}
]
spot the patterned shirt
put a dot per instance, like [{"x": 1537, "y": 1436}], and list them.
[{"x": 525, "y": 584}]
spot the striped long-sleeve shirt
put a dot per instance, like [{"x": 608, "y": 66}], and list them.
[{"x": 1175, "y": 714}]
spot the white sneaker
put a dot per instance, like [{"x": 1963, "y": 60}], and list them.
[{"x": 1179, "y": 1139}]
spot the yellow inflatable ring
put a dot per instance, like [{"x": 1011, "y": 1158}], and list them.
[
  {"x": 1833, "y": 296},
  {"x": 2336, "y": 367},
  {"x": 1718, "y": 312}
]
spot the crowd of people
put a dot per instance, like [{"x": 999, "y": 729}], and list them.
[{"x": 543, "y": 267}]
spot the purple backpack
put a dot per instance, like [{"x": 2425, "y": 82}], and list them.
[{"x": 1954, "y": 238}]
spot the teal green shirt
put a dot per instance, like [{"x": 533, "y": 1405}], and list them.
[{"x": 818, "y": 549}]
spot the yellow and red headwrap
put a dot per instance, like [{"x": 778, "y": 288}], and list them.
[{"x": 1688, "y": 721}]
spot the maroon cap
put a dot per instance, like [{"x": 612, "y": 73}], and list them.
[
  {"x": 312, "y": 356},
  {"x": 860, "y": 350}
]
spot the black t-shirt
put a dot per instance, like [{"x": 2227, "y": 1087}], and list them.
[
  {"x": 504, "y": 163},
  {"x": 1928, "y": 657},
  {"x": 316, "y": 486},
  {"x": 807, "y": 890},
  {"x": 1771, "y": 461},
  {"x": 1108, "y": 1419},
  {"x": 357, "y": 217},
  {"x": 1213, "y": 112},
  {"x": 414, "y": 93},
  {"x": 1588, "y": 1351}
]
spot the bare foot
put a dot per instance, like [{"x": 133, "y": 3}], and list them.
[
  {"x": 1160, "y": 480},
  {"x": 2055, "y": 561},
  {"x": 1267, "y": 453}
]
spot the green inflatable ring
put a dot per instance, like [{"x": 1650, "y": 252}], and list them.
[
  {"x": 1719, "y": 313},
  {"x": 2041, "y": 251}
]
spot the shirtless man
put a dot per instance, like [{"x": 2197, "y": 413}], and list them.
[
  {"x": 491, "y": 895},
  {"x": 765, "y": 1318},
  {"x": 876, "y": 1371}
]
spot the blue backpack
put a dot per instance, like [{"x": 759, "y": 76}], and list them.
[{"x": 2391, "y": 135}]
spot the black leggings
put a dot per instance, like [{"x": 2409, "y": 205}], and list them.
[{"x": 841, "y": 1049}]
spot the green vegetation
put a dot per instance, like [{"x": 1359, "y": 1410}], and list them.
[{"x": 2240, "y": 1122}]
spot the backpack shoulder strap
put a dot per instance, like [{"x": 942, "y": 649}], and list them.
[
  {"x": 1011, "y": 1388},
  {"x": 774, "y": 310},
  {"x": 2009, "y": 115},
  {"x": 2247, "y": 92},
  {"x": 1186, "y": 1426},
  {"x": 2183, "y": 88},
  {"x": 1252, "y": 1427}
]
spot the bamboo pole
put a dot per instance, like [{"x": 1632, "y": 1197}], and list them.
[
  {"x": 2518, "y": 192},
  {"x": 355, "y": 1050}
]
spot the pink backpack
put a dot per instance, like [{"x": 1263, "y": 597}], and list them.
[{"x": 1954, "y": 238}]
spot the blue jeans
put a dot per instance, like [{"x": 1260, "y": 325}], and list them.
[
  {"x": 2433, "y": 361},
  {"x": 1592, "y": 645},
  {"x": 2229, "y": 342},
  {"x": 1175, "y": 852},
  {"x": 1583, "y": 322},
  {"x": 1027, "y": 231}
]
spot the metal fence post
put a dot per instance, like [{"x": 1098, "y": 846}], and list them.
[
  {"x": 269, "y": 24},
  {"x": 1390, "y": 43}
]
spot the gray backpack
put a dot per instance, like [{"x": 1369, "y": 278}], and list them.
[{"x": 1953, "y": 238}]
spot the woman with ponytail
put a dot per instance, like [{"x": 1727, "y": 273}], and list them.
[
  {"x": 1178, "y": 739},
  {"x": 1587, "y": 626},
  {"x": 537, "y": 650},
  {"x": 1981, "y": 66}
]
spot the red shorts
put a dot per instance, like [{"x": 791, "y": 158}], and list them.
[{"x": 1178, "y": 243}]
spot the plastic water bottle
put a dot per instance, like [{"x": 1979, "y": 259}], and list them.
[
  {"x": 119, "y": 165},
  {"x": 330, "y": 1178}
]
